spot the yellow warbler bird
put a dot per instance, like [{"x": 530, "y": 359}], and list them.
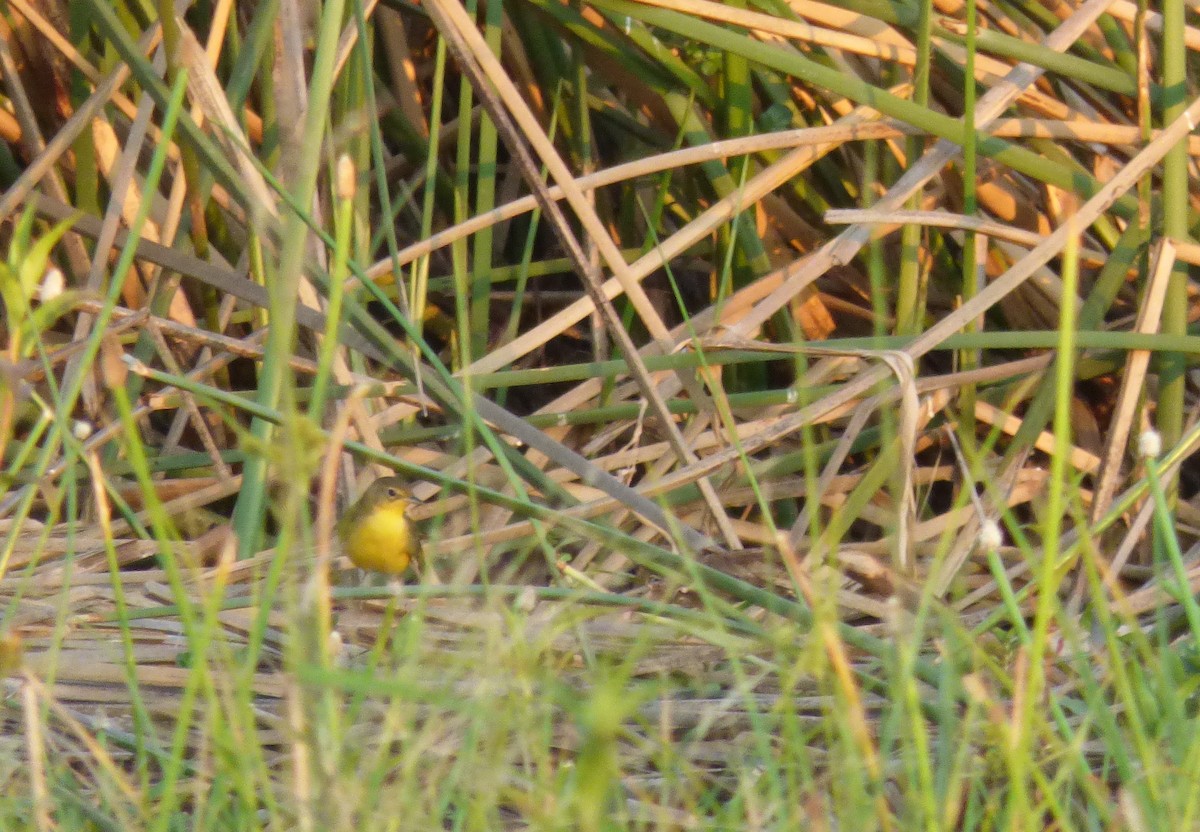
[{"x": 376, "y": 532}]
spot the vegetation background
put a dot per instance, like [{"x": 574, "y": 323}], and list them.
[{"x": 797, "y": 397}]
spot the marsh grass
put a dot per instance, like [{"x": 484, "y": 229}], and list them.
[{"x": 768, "y": 479}]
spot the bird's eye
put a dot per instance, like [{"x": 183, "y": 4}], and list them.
[{"x": 393, "y": 493}]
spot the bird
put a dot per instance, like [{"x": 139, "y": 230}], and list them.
[{"x": 376, "y": 533}]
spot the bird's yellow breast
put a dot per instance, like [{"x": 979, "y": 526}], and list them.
[{"x": 383, "y": 540}]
